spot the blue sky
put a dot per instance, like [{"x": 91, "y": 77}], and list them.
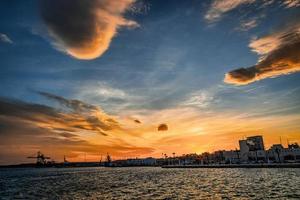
[{"x": 176, "y": 56}]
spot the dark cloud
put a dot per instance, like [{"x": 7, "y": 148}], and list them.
[
  {"x": 19, "y": 139},
  {"x": 84, "y": 29},
  {"x": 75, "y": 105},
  {"x": 280, "y": 54},
  {"x": 83, "y": 116},
  {"x": 26, "y": 128},
  {"x": 68, "y": 135},
  {"x": 162, "y": 127},
  {"x": 29, "y": 111},
  {"x": 97, "y": 120},
  {"x": 137, "y": 121}
]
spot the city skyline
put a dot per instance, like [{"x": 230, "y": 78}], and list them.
[{"x": 141, "y": 78}]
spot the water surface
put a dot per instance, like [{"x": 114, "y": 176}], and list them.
[{"x": 149, "y": 183}]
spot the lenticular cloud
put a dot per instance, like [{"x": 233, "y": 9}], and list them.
[{"x": 84, "y": 29}]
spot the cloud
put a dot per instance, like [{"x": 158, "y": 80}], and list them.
[
  {"x": 76, "y": 105},
  {"x": 20, "y": 109},
  {"x": 291, "y": 3},
  {"x": 247, "y": 25},
  {"x": 4, "y": 38},
  {"x": 162, "y": 127},
  {"x": 101, "y": 90},
  {"x": 137, "y": 121},
  {"x": 95, "y": 117},
  {"x": 84, "y": 29},
  {"x": 73, "y": 128},
  {"x": 279, "y": 55},
  {"x": 200, "y": 99},
  {"x": 220, "y": 7},
  {"x": 80, "y": 117},
  {"x": 22, "y": 133},
  {"x": 19, "y": 139}
]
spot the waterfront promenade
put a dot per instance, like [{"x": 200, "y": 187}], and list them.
[{"x": 263, "y": 165}]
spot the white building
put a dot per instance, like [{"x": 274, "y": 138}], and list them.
[
  {"x": 252, "y": 149},
  {"x": 277, "y": 153}
]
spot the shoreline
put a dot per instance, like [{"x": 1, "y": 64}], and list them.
[
  {"x": 82, "y": 165},
  {"x": 263, "y": 165}
]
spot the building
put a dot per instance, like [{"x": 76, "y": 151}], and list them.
[
  {"x": 252, "y": 149},
  {"x": 244, "y": 150},
  {"x": 231, "y": 157},
  {"x": 255, "y": 143},
  {"x": 135, "y": 162},
  {"x": 277, "y": 153}
]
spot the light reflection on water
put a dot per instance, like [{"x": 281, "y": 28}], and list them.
[{"x": 149, "y": 183}]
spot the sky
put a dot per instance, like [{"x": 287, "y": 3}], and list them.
[{"x": 139, "y": 78}]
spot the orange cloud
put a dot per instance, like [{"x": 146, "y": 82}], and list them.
[
  {"x": 26, "y": 128},
  {"x": 279, "y": 55},
  {"x": 291, "y": 3},
  {"x": 19, "y": 139},
  {"x": 192, "y": 130},
  {"x": 84, "y": 29},
  {"x": 78, "y": 117}
]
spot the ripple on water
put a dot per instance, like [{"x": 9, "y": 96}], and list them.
[{"x": 149, "y": 183}]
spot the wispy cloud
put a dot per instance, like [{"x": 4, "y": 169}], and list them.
[
  {"x": 248, "y": 24},
  {"x": 75, "y": 105},
  {"x": 96, "y": 24},
  {"x": 291, "y": 3},
  {"x": 191, "y": 130},
  {"x": 100, "y": 90},
  {"x": 279, "y": 54},
  {"x": 4, "y": 38},
  {"x": 79, "y": 117},
  {"x": 20, "y": 138},
  {"x": 219, "y": 7},
  {"x": 201, "y": 99},
  {"x": 73, "y": 128},
  {"x": 92, "y": 117},
  {"x": 33, "y": 127}
]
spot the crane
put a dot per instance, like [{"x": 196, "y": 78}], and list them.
[{"x": 41, "y": 159}]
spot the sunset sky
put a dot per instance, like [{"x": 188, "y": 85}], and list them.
[{"x": 146, "y": 77}]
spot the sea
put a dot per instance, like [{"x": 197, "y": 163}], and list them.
[{"x": 149, "y": 183}]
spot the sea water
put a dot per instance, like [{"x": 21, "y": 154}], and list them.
[{"x": 149, "y": 183}]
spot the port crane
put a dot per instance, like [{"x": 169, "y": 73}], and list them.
[{"x": 41, "y": 159}]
